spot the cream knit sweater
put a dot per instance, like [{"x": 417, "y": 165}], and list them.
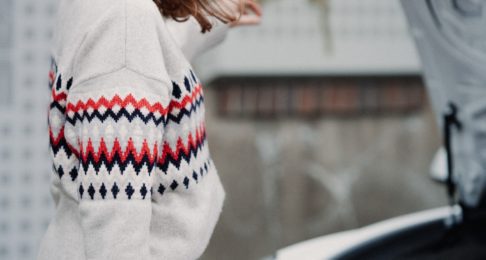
[{"x": 132, "y": 174}]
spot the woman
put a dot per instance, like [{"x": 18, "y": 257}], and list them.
[{"x": 132, "y": 174}]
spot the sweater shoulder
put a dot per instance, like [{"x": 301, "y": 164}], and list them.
[{"x": 126, "y": 35}]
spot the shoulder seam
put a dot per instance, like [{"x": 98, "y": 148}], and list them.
[
  {"x": 122, "y": 68},
  {"x": 98, "y": 76},
  {"x": 115, "y": 71}
]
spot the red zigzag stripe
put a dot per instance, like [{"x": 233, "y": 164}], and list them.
[
  {"x": 187, "y": 99},
  {"x": 129, "y": 99},
  {"x": 117, "y": 150},
  {"x": 116, "y": 100},
  {"x": 58, "y": 97},
  {"x": 55, "y": 140},
  {"x": 192, "y": 143}
]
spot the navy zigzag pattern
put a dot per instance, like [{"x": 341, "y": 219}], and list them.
[
  {"x": 116, "y": 116},
  {"x": 116, "y": 160},
  {"x": 55, "y": 104},
  {"x": 193, "y": 151},
  {"x": 61, "y": 145},
  {"x": 186, "y": 112},
  {"x": 136, "y": 113}
]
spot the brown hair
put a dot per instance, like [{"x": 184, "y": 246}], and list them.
[{"x": 180, "y": 10}]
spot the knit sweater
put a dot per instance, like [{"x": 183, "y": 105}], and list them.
[{"x": 132, "y": 174}]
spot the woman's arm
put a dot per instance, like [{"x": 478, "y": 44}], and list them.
[{"x": 193, "y": 42}]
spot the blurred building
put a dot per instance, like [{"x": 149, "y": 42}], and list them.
[
  {"x": 318, "y": 122},
  {"x": 25, "y": 202}
]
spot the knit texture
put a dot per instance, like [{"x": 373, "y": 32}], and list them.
[{"x": 132, "y": 174}]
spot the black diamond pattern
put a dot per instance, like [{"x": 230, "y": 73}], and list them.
[
  {"x": 60, "y": 171},
  {"x": 91, "y": 191},
  {"x": 186, "y": 182},
  {"x": 176, "y": 90},
  {"x": 59, "y": 82},
  {"x": 103, "y": 190},
  {"x": 161, "y": 189},
  {"x": 115, "y": 190},
  {"x": 81, "y": 191},
  {"x": 187, "y": 84},
  {"x": 143, "y": 191},
  {"x": 74, "y": 174},
  {"x": 174, "y": 185},
  {"x": 129, "y": 190},
  {"x": 69, "y": 83}
]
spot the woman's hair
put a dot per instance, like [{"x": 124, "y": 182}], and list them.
[{"x": 181, "y": 10}]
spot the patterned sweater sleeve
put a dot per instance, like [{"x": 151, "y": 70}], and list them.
[{"x": 115, "y": 111}]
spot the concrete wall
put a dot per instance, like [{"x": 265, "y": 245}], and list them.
[{"x": 288, "y": 180}]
